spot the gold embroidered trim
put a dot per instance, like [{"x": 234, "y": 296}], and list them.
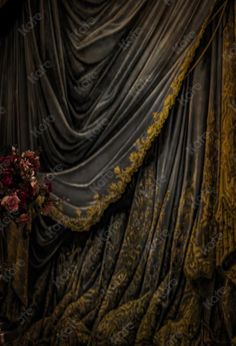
[
  {"x": 225, "y": 212},
  {"x": 94, "y": 213}
]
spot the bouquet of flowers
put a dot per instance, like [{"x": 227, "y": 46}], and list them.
[{"x": 20, "y": 189}]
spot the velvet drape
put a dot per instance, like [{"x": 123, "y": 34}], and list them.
[
  {"x": 93, "y": 85},
  {"x": 159, "y": 266}
]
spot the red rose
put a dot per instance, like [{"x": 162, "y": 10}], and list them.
[
  {"x": 11, "y": 203},
  {"x": 29, "y": 154},
  {"x": 6, "y": 180}
]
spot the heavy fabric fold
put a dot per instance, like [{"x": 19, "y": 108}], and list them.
[
  {"x": 93, "y": 88},
  {"x": 159, "y": 267}
]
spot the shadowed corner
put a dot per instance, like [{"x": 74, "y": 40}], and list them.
[{"x": 9, "y": 12}]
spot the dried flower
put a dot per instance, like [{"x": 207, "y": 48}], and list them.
[{"x": 11, "y": 203}]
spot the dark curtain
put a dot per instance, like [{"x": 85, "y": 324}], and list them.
[
  {"x": 93, "y": 85},
  {"x": 159, "y": 266}
]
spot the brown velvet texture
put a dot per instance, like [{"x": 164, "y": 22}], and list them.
[
  {"x": 159, "y": 268},
  {"x": 93, "y": 85}
]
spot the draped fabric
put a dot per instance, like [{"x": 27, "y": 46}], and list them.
[
  {"x": 159, "y": 267},
  {"x": 93, "y": 88}
]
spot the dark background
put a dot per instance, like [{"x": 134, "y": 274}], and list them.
[{"x": 8, "y": 15}]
